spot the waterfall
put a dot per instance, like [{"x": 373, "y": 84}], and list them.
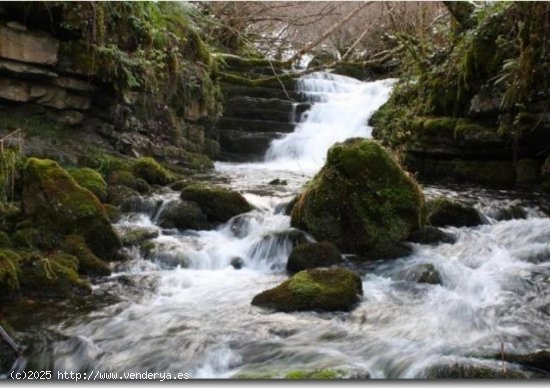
[{"x": 341, "y": 109}]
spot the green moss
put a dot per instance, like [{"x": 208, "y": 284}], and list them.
[
  {"x": 126, "y": 178},
  {"x": 151, "y": 171},
  {"x": 113, "y": 212},
  {"x": 333, "y": 289},
  {"x": 219, "y": 204},
  {"x": 137, "y": 236},
  {"x": 5, "y": 241},
  {"x": 91, "y": 180},
  {"x": 320, "y": 374},
  {"x": 495, "y": 173},
  {"x": 89, "y": 264},
  {"x": 53, "y": 276},
  {"x": 361, "y": 200},
  {"x": 196, "y": 161},
  {"x": 9, "y": 274},
  {"x": 55, "y": 201},
  {"x": 35, "y": 238}
]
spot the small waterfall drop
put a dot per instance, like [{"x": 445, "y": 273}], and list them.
[{"x": 341, "y": 109}]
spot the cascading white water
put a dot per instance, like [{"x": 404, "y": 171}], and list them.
[
  {"x": 186, "y": 309},
  {"x": 341, "y": 109}
]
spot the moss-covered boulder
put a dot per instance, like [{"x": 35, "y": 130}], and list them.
[
  {"x": 53, "y": 276},
  {"x": 183, "y": 215},
  {"x": 361, "y": 200},
  {"x": 53, "y": 199},
  {"x": 92, "y": 180},
  {"x": 446, "y": 212},
  {"x": 9, "y": 274},
  {"x": 126, "y": 178},
  {"x": 88, "y": 263},
  {"x": 217, "y": 203},
  {"x": 313, "y": 255},
  {"x": 324, "y": 289},
  {"x": 152, "y": 172}
]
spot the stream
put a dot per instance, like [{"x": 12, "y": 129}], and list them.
[{"x": 187, "y": 309}]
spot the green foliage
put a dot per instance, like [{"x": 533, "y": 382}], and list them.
[{"x": 149, "y": 46}]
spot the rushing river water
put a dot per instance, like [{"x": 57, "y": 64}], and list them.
[{"x": 187, "y": 309}]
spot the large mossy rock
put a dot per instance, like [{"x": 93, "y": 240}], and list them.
[
  {"x": 446, "y": 212},
  {"x": 55, "y": 202},
  {"x": 325, "y": 289},
  {"x": 361, "y": 200},
  {"x": 217, "y": 203},
  {"x": 313, "y": 255}
]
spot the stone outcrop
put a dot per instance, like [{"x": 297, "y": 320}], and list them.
[
  {"x": 43, "y": 65},
  {"x": 257, "y": 107},
  {"x": 361, "y": 200}
]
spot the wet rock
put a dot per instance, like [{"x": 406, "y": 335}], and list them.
[
  {"x": 137, "y": 204},
  {"x": 313, "y": 255},
  {"x": 270, "y": 245},
  {"x": 513, "y": 212},
  {"x": 183, "y": 215},
  {"x": 237, "y": 262},
  {"x": 460, "y": 371},
  {"x": 431, "y": 235},
  {"x": 54, "y": 200},
  {"x": 446, "y": 212},
  {"x": 428, "y": 274},
  {"x": 278, "y": 182},
  {"x": 324, "y": 289},
  {"x": 88, "y": 263},
  {"x": 136, "y": 236},
  {"x": 361, "y": 200},
  {"x": 217, "y": 203},
  {"x": 539, "y": 360}
]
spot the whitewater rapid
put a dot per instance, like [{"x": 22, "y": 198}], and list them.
[{"x": 187, "y": 309}]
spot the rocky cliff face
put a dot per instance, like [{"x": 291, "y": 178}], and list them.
[
  {"x": 479, "y": 111},
  {"x": 66, "y": 86},
  {"x": 259, "y": 106}
]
